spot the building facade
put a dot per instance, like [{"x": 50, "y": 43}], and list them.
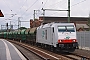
[{"x": 78, "y": 20}]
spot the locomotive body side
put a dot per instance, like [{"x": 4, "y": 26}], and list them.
[
  {"x": 44, "y": 35},
  {"x": 60, "y": 36}
]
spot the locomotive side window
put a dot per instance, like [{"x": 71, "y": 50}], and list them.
[
  {"x": 53, "y": 29},
  {"x": 46, "y": 34}
]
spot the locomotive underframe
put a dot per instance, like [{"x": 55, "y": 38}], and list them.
[
  {"x": 67, "y": 45},
  {"x": 64, "y": 47}
]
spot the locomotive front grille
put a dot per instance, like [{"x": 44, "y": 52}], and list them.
[
  {"x": 68, "y": 45},
  {"x": 65, "y": 46}
]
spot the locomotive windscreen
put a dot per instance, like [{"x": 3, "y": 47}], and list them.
[{"x": 66, "y": 29}]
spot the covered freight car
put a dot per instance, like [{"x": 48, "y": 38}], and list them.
[{"x": 31, "y": 36}]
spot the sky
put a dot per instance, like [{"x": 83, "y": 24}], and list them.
[{"x": 24, "y": 10}]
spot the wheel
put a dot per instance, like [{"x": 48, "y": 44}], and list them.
[{"x": 52, "y": 49}]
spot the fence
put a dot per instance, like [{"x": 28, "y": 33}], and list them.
[{"x": 84, "y": 40}]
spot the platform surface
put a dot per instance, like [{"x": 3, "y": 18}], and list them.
[{"x": 9, "y": 52}]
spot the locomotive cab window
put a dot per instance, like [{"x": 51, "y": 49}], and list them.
[
  {"x": 61, "y": 28},
  {"x": 70, "y": 29},
  {"x": 66, "y": 29}
]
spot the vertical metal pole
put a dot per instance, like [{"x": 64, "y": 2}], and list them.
[
  {"x": 89, "y": 21},
  {"x": 43, "y": 15},
  {"x": 10, "y": 25},
  {"x": 68, "y": 10},
  {"x": 18, "y": 22},
  {"x": 1, "y": 27},
  {"x": 7, "y": 26},
  {"x": 34, "y": 14}
]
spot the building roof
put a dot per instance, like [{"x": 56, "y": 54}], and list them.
[
  {"x": 64, "y": 18},
  {"x": 85, "y": 26}
]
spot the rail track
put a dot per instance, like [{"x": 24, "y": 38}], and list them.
[
  {"x": 82, "y": 56},
  {"x": 75, "y": 56},
  {"x": 48, "y": 55}
]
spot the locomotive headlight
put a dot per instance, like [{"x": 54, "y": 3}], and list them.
[
  {"x": 59, "y": 41},
  {"x": 74, "y": 40}
]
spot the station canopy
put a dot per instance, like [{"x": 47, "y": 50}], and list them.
[{"x": 1, "y": 14}]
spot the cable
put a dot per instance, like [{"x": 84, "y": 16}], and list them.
[
  {"x": 42, "y": 7},
  {"x": 29, "y": 7},
  {"x": 78, "y": 3},
  {"x": 23, "y": 5},
  {"x": 54, "y": 4},
  {"x": 75, "y": 4},
  {"x": 7, "y": 5},
  {"x": 57, "y": 3},
  {"x": 32, "y": 5},
  {"x": 45, "y": 3}
]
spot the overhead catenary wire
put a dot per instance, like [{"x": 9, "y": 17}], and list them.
[
  {"x": 23, "y": 4},
  {"x": 44, "y": 3},
  {"x": 7, "y": 5},
  {"x": 29, "y": 7},
  {"x": 61, "y": 4},
  {"x": 74, "y": 4},
  {"x": 78, "y": 3},
  {"x": 53, "y": 5},
  {"x": 32, "y": 5}
]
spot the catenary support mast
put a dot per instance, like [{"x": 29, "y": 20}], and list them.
[{"x": 68, "y": 10}]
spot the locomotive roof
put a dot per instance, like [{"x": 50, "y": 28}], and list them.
[{"x": 53, "y": 24}]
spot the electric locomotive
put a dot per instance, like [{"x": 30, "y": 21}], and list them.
[{"x": 57, "y": 36}]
